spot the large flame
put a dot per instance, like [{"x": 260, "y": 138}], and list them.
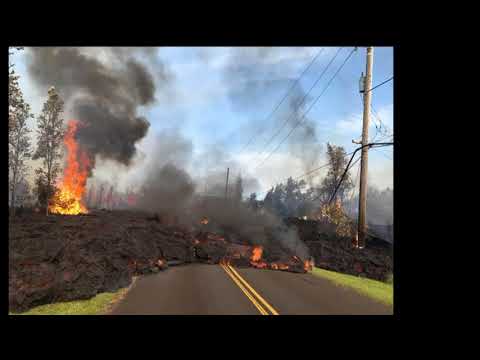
[
  {"x": 256, "y": 253},
  {"x": 68, "y": 199}
]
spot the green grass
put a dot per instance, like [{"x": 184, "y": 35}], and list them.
[
  {"x": 97, "y": 305},
  {"x": 376, "y": 290}
]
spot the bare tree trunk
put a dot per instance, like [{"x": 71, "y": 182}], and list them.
[
  {"x": 13, "y": 198},
  {"x": 48, "y": 193}
]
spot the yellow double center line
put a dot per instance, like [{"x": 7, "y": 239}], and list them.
[{"x": 260, "y": 303}]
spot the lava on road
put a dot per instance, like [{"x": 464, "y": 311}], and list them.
[{"x": 62, "y": 258}]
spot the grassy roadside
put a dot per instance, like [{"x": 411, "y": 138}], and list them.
[
  {"x": 376, "y": 290},
  {"x": 98, "y": 305}
]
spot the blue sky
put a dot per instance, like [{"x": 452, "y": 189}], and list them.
[{"x": 202, "y": 104}]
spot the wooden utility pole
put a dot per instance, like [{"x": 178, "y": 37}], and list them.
[
  {"x": 362, "y": 206},
  {"x": 226, "y": 184}
]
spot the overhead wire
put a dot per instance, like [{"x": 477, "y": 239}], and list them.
[
  {"x": 285, "y": 96},
  {"x": 311, "y": 106},
  {"x": 299, "y": 105}
]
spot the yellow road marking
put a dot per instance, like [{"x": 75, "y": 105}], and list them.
[
  {"x": 250, "y": 297},
  {"x": 257, "y": 295}
]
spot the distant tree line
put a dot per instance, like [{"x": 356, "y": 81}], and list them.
[{"x": 295, "y": 198}]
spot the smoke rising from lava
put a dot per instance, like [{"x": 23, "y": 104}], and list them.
[{"x": 105, "y": 90}]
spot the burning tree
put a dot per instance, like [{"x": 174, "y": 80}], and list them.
[
  {"x": 68, "y": 199},
  {"x": 50, "y": 135}
]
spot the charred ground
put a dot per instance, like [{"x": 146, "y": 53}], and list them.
[{"x": 61, "y": 258}]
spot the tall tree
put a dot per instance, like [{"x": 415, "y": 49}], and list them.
[
  {"x": 23, "y": 194},
  {"x": 338, "y": 161},
  {"x": 275, "y": 201},
  {"x": 19, "y": 147},
  {"x": 50, "y": 135},
  {"x": 15, "y": 98}
]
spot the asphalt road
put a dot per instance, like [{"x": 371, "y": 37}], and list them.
[{"x": 199, "y": 289}]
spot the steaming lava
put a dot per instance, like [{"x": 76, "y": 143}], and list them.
[
  {"x": 65, "y": 258},
  {"x": 68, "y": 198}
]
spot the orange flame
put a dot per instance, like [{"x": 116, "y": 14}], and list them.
[
  {"x": 68, "y": 199},
  {"x": 256, "y": 253},
  {"x": 308, "y": 265}
]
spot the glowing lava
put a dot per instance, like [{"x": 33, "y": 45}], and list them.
[
  {"x": 256, "y": 258},
  {"x": 308, "y": 265},
  {"x": 256, "y": 253},
  {"x": 68, "y": 199}
]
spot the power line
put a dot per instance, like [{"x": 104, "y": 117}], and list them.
[
  {"x": 341, "y": 179},
  {"x": 381, "y": 128},
  {"x": 370, "y": 145},
  {"x": 311, "y": 106},
  {"x": 285, "y": 96},
  {"x": 382, "y": 124},
  {"x": 303, "y": 175},
  {"x": 384, "y": 154},
  {"x": 380, "y": 84},
  {"x": 301, "y": 103}
]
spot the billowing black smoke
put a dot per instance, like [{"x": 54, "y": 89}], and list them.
[
  {"x": 165, "y": 185},
  {"x": 104, "y": 95},
  {"x": 167, "y": 190}
]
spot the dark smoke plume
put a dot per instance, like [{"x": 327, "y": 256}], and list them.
[
  {"x": 303, "y": 142},
  {"x": 167, "y": 190},
  {"x": 104, "y": 97}
]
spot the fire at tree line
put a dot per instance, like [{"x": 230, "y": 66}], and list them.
[
  {"x": 165, "y": 222},
  {"x": 68, "y": 193}
]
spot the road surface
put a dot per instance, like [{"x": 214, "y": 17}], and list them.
[{"x": 199, "y": 289}]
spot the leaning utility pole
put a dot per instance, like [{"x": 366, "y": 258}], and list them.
[
  {"x": 226, "y": 185},
  {"x": 362, "y": 206}
]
